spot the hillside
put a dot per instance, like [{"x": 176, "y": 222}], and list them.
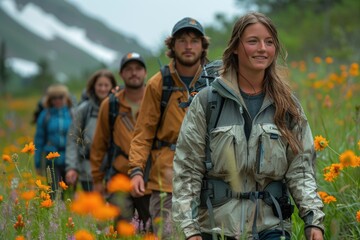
[{"x": 57, "y": 31}]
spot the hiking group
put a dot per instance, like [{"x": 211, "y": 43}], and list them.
[{"x": 227, "y": 163}]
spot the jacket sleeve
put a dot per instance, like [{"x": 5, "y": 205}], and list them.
[
  {"x": 75, "y": 139},
  {"x": 146, "y": 125},
  {"x": 189, "y": 169},
  {"x": 40, "y": 138},
  {"x": 101, "y": 141},
  {"x": 302, "y": 181}
]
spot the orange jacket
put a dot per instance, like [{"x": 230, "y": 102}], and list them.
[
  {"x": 122, "y": 134},
  {"x": 148, "y": 122}
]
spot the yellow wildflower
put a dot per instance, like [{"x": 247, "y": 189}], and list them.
[
  {"x": 358, "y": 144},
  {"x": 52, "y": 155},
  {"x": 41, "y": 186},
  {"x": 29, "y": 148},
  {"x": 44, "y": 195},
  {"x": 348, "y": 159},
  {"x": 111, "y": 232},
  {"x": 358, "y": 216},
  {"x": 329, "y": 199},
  {"x": 119, "y": 183},
  {"x": 63, "y": 185},
  {"x": 125, "y": 229},
  {"x": 83, "y": 235},
  {"x": 320, "y": 143},
  {"x": 6, "y": 158}
]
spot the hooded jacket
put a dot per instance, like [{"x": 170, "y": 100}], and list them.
[
  {"x": 166, "y": 129},
  {"x": 236, "y": 161},
  {"x": 80, "y": 137}
]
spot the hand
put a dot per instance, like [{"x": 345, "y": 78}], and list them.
[
  {"x": 138, "y": 186},
  {"x": 313, "y": 233},
  {"x": 99, "y": 187},
  {"x": 71, "y": 177}
]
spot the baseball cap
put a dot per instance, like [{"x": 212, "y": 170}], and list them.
[
  {"x": 187, "y": 23},
  {"x": 131, "y": 56}
]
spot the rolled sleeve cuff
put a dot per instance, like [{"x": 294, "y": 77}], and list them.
[{"x": 191, "y": 231}]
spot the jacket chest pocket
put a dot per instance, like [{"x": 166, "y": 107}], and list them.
[
  {"x": 271, "y": 153},
  {"x": 224, "y": 149}
]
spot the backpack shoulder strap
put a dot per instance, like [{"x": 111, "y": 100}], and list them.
[
  {"x": 212, "y": 112},
  {"x": 113, "y": 112},
  {"x": 167, "y": 88}
]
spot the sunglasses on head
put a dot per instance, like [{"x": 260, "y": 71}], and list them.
[{"x": 57, "y": 97}]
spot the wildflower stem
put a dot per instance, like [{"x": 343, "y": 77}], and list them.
[
  {"x": 334, "y": 151},
  {"x": 18, "y": 170}
]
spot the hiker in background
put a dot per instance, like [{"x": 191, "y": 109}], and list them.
[
  {"x": 160, "y": 118},
  {"x": 113, "y": 134},
  {"x": 244, "y": 143},
  {"x": 51, "y": 131},
  {"x": 81, "y": 132}
]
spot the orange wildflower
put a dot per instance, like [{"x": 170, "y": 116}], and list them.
[
  {"x": 28, "y": 195},
  {"x": 358, "y": 216},
  {"x": 86, "y": 202},
  {"x": 47, "y": 203},
  {"x": 52, "y": 155},
  {"x": 320, "y": 143},
  {"x": 19, "y": 223},
  {"x": 126, "y": 229},
  {"x": 1, "y": 198},
  {"x": 63, "y": 185},
  {"x": 44, "y": 195},
  {"x": 348, "y": 159},
  {"x": 83, "y": 235},
  {"x": 358, "y": 144},
  {"x": 70, "y": 223},
  {"x": 323, "y": 195},
  {"x": 41, "y": 186},
  {"x": 329, "y": 199},
  {"x": 20, "y": 238},
  {"x": 329, "y": 60},
  {"x": 111, "y": 232},
  {"x": 29, "y": 148},
  {"x": 6, "y": 158},
  {"x": 119, "y": 183},
  {"x": 106, "y": 212},
  {"x": 317, "y": 60},
  {"x": 150, "y": 236}
]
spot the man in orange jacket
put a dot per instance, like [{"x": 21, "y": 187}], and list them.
[
  {"x": 156, "y": 132},
  {"x": 133, "y": 72}
]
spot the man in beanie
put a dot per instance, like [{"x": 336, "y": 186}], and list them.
[
  {"x": 133, "y": 72},
  {"x": 158, "y": 126}
]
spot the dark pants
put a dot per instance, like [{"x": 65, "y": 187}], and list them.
[
  {"x": 264, "y": 235},
  {"x": 87, "y": 186},
  {"x": 59, "y": 172},
  {"x": 129, "y": 206}
]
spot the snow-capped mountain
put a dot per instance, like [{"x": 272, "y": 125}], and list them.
[{"x": 58, "y": 32}]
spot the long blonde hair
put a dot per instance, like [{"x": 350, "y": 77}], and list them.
[{"x": 286, "y": 110}]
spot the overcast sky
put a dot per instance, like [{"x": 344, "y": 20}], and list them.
[{"x": 150, "y": 21}]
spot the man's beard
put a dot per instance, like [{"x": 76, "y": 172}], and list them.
[{"x": 187, "y": 63}]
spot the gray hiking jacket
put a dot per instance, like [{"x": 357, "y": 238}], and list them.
[
  {"x": 80, "y": 137},
  {"x": 236, "y": 161}
]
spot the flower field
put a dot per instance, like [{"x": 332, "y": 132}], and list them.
[{"x": 329, "y": 93}]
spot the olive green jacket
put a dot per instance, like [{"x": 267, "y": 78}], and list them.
[{"x": 235, "y": 160}]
